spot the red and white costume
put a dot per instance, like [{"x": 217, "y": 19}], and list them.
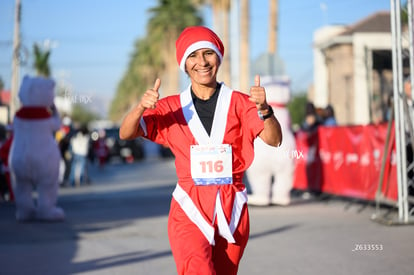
[{"x": 206, "y": 222}]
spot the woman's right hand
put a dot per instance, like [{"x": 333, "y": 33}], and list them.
[
  {"x": 130, "y": 128},
  {"x": 150, "y": 98}
]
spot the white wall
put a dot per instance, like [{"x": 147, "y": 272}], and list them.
[
  {"x": 364, "y": 44},
  {"x": 321, "y": 39}
]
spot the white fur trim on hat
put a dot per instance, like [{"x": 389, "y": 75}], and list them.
[{"x": 196, "y": 46}]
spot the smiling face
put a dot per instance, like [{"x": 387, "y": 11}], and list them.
[{"x": 202, "y": 66}]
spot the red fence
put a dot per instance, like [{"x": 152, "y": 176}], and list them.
[{"x": 346, "y": 161}]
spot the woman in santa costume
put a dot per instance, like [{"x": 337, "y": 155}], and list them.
[{"x": 210, "y": 129}]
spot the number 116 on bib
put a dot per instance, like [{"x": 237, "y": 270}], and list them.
[{"x": 211, "y": 164}]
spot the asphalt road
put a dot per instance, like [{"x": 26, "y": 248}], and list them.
[{"x": 118, "y": 225}]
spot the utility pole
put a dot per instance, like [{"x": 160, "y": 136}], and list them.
[
  {"x": 273, "y": 26},
  {"x": 15, "y": 62},
  {"x": 273, "y": 35}
]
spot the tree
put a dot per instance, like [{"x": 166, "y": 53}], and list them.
[
  {"x": 41, "y": 60},
  {"x": 244, "y": 46},
  {"x": 169, "y": 19},
  {"x": 404, "y": 14},
  {"x": 82, "y": 115},
  {"x": 142, "y": 68},
  {"x": 154, "y": 55},
  {"x": 297, "y": 108},
  {"x": 221, "y": 10}
]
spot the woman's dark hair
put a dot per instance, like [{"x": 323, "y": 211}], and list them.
[
  {"x": 329, "y": 111},
  {"x": 310, "y": 108}
]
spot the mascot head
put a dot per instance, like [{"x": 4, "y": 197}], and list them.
[
  {"x": 277, "y": 89},
  {"x": 37, "y": 91}
]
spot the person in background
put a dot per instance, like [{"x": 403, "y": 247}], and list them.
[
  {"x": 312, "y": 119},
  {"x": 4, "y": 157},
  {"x": 65, "y": 151},
  {"x": 409, "y": 146},
  {"x": 79, "y": 145},
  {"x": 100, "y": 148},
  {"x": 210, "y": 128},
  {"x": 329, "y": 116}
]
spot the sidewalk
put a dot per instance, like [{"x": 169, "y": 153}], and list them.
[{"x": 118, "y": 225}]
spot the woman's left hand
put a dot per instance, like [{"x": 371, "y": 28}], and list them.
[{"x": 258, "y": 95}]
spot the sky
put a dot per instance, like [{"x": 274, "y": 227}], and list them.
[{"x": 92, "y": 40}]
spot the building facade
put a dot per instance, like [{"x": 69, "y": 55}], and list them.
[{"x": 353, "y": 70}]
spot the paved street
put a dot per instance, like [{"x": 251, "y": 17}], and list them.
[{"x": 118, "y": 225}]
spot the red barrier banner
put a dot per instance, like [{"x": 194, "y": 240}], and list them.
[{"x": 346, "y": 161}]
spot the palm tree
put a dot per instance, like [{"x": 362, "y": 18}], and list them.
[
  {"x": 41, "y": 61},
  {"x": 154, "y": 55},
  {"x": 169, "y": 19},
  {"x": 244, "y": 46},
  {"x": 143, "y": 67},
  {"x": 221, "y": 10}
]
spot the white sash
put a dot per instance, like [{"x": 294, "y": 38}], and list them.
[
  {"x": 220, "y": 116},
  {"x": 193, "y": 213},
  {"x": 193, "y": 120}
]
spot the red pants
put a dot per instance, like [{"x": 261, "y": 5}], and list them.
[{"x": 193, "y": 254}]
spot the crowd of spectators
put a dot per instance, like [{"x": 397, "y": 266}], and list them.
[
  {"x": 79, "y": 149},
  {"x": 315, "y": 117}
]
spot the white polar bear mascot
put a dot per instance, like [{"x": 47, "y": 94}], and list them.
[
  {"x": 35, "y": 156},
  {"x": 271, "y": 174}
]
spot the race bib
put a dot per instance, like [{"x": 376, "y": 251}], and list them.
[{"x": 211, "y": 164}]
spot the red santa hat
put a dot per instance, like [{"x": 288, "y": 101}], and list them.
[{"x": 195, "y": 38}]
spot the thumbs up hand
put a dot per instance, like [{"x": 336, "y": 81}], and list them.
[
  {"x": 150, "y": 98},
  {"x": 258, "y": 95}
]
